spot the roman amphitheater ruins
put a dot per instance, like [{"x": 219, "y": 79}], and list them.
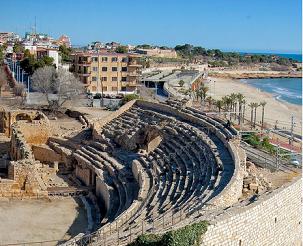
[{"x": 147, "y": 168}]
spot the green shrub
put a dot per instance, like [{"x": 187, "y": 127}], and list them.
[
  {"x": 129, "y": 97},
  {"x": 189, "y": 235},
  {"x": 253, "y": 140}
]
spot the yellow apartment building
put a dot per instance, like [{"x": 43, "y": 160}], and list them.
[{"x": 111, "y": 73}]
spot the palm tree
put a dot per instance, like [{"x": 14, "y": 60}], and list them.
[
  {"x": 256, "y": 105},
  {"x": 203, "y": 93},
  {"x": 197, "y": 91},
  {"x": 204, "y": 89},
  {"x": 251, "y": 105},
  {"x": 263, "y": 103},
  {"x": 233, "y": 98},
  {"x": 219, "y": 105},
  {"x": 243, "y": 103},
  {"x": 240, "y": 99},
  {"x": 209, "y": 100},
  {"x": 227, "y": 104}
]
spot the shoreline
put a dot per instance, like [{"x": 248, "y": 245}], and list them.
[
  {"x": 236, "y": 74},
  {"x": 275, "y": 109}
]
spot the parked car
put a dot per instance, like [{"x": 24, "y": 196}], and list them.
[{"x": 294, "y": 160}]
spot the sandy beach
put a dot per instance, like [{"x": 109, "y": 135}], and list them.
[{"x": 275, "y": 110}]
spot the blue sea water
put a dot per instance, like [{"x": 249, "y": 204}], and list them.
[
  {"x": 284, "y": 89},
  {"x": 296, "y": 57}
]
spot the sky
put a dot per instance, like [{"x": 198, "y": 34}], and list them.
[{"x": 230, "y": 25}]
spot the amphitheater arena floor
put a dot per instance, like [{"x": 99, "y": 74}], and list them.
[{"x": 41, "y": 220}]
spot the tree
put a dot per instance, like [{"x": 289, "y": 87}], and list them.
[
  {"x": 181, "y": 83},
  {"x": 233, "y": 98},
  {"x": 27, "y": 53},
  {"x": 18, "y": 48},
  {"x": 263, "y": 103},
  {"x": 240, "y": 99},
  {"x": 210, "y": 101},
  {"x": 219, "y": 105},
  {"x": 67, "y": 87},
  {"x": 122, "y": 49},
  {"x": 144, "y": 46},
  {"x": 3, "y": 79},
  {"x": 251, "y": 105},
  {"x": 243, "y": 114},
  {"x": 1, "y": 55},
  {"x": 227, "y": 102},
  {"x": 256, "y": 105},
  {"x": 30, "y": 63},
  {"x": 58, "y": 87},
  {"x": 65, "y": 53}
]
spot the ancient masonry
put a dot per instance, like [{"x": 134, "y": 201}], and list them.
[{"x": 151, "y": 167}]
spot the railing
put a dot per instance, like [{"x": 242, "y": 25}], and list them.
[
  {"x": 134, "y": 63},
  {"x": 112, "y": 234},
  {"x": 134, "y": 74},
  {"x": 85, "y": 73},
  {"x": 84, "y": 62}
]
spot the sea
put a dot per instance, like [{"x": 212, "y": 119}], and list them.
[
  {"x": 296, "y": 57},
  {"x": 283, "y": 89}
]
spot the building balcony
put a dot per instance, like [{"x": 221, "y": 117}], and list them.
[
  {"x": 84, "y": 74},
  {"x": 84, "y": 63},
  {"x": 133, "y": 74},
  {"x": 129, "y": 84},
  {"x": 134, "y": 64}
]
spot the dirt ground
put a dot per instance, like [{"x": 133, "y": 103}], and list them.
[{"x": 41, "y": 220}]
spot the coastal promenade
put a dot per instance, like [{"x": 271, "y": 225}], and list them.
[{"x": 275, "y": 110}]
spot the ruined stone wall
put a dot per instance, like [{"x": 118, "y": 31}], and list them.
[
  {"x": 26, "y": 175},
  {"x": 24, "y": 172},
  {"x": 20, "y": 149},
  {"x": 274, "y": 219},
  {"x": 36, "y": 132},
  {"x": 8, "y": 118},
  {"x": 45, "y": 154}
]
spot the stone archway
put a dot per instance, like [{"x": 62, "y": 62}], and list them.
[{"x": 23, "y": 116}]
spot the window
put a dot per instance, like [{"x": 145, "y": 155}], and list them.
[
  {"x": 104, "y": 78},
  {"x": 123, "y": 88},
  {"x": 114, "y": 79},
  {"x": 124, "y": 79},
  {"x": 124, "y": 59},
  {"x": 104, "y": 59},
  {"x": 114, "y": 88},
  {"x": 94, "y": 78},
  {"x": 95, "y": 59},
  {"x": 104, "y": 69},
  {"x": 114, "y": 69},
  {"x": 104, "y": 88},
  {"x": 95, "y": 69},
  {"x": 114, "y": 59},
  {"x": 124, "y": 69},
  {"x": 94, "y": 88}
]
